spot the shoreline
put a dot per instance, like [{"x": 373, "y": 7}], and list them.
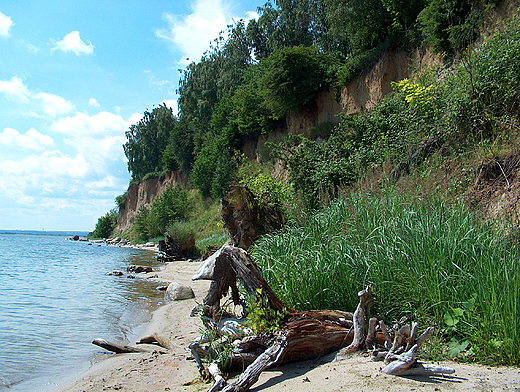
[
  {"x": 174, "y": 371},
  {"x": 172, "y": 321}
]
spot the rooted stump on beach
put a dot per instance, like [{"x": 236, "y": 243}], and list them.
[{"x": 302, "y": 335}]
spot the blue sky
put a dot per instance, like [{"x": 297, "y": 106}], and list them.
[{"x": 74, "y": 75}]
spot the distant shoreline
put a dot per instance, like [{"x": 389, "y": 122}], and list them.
[{"x": 64, "y": 233}]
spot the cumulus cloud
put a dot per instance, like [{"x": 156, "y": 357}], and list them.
[
  {"x": 5, "y": 25},
  {"x": 94, "y": 168},
  {"x": 193, "y": 33},
  {"x": 15, "y": 89},
  {"x": 52, "y": 105},
  {"x": 73, "y": 43},
  {"x": 31, "y": 140},
  {"x": 93, "y": 102},
  {"x": 102, "y": 123}
]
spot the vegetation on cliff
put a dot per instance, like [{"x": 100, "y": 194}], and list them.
[{"x": 254, "y": 75}]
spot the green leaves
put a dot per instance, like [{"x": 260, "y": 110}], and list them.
[
  {"x": 147, "y": 140},
  {"x": 452, "y": 317},
  {"x": 292, "y": 79},
  {"x": 105, "y": 225}
]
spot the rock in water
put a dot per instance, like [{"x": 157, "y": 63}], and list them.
[
  {"x": 178, "y": 291},
  {"x": 139, "y": 268}
]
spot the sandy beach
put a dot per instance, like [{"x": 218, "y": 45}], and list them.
[{"x": 175, "y": 371}]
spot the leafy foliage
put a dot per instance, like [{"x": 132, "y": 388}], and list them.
[
  {"x": 147, "y": 140},
  {"x": 260, "y": 317},
  {"x": 451, "y": 25},
  {"x": 292, "y": 79},
  {"x": 173, "y": 205},
  {"x": 105, "y": 225},
  {"x": 214, "y": 169}
]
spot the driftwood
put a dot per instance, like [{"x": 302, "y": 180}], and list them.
[
  {"x": 117, "y": 348},
  {"x": 122, "y": 348},
  {"x": 302, "y": 335}
]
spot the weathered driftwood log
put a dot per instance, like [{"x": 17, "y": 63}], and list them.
[
  {"x": 214, "y": 371},
  {"x": 117, "y": 348},
  {"x": 122, "y": 348},
  {"x": 406, "y": 364},
  {"x": 307, "y": 334},
  {"x": 246, "y": 218},
  {"x": 303, "y": 335},
  {"x": 264, "y": 360}
]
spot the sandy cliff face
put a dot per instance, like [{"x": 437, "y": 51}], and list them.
[
  {"x": 362, "y": 93},
  {"x": 142, "y": 194}
]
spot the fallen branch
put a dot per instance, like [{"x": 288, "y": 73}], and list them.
[
  {"x": 117, "y": 348},
  {"x": 156, "y": 339},
  {"x": 264, "y": 360}
]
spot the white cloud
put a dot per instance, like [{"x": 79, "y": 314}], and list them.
[
  {"x": 15, "y": 89},
  {"x": 31, "y": 140},
  {"x": 73, "y": 43},
  {"x": 5, "y": 25},
  {"x": 93, "y": 102},
  {"x": 102, "y": 123},
  {"x": 94, "y": 168},
  {"x": 52, "y": 105},
  {"x": 193, "y": 33},
  {"x": 172, "y": 103}
]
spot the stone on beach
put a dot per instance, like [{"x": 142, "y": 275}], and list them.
[{"x": 177, "y": 291}]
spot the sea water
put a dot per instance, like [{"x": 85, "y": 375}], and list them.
[{"x": 56, "y": 297}]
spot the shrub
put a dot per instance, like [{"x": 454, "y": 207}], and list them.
[
  {"x": 292, "y": 78},
  {"x": 183, "y": 234},
  {"x": 172, "y": 205},
  {"x": 121, "y": 201},
  {"x": 214, "y": 170}
]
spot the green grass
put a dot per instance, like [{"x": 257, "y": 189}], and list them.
[{"x": 426, "y": 259}]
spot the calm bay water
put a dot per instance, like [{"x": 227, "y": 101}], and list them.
[{"x": 55, "y": 298}]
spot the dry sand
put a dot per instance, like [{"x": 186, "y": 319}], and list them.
[{"x": 176, "y": 372}]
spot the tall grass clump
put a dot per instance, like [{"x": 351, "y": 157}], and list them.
[{"x": 434, "y": 262}]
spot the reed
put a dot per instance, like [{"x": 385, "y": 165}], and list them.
[{"x": 436, "y": 263}]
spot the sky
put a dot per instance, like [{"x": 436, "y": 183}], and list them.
[{"x": 74, "y": 76}]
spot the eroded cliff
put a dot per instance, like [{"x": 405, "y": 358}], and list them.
[{"x": 142, "y": 195}]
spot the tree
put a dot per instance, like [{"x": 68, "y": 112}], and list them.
[
  {"x": 292, "y": 78},
  {"x": 357, "y": 25},
  {"x": 105, "y": 225},
  {"x": 450, "y": 25},
  {"x": 147, "y": 141}
]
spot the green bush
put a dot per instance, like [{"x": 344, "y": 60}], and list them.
[
  {"x": 214, "y": 169},
  {"x": 121, "y": 201},
  {"x": 450, "y": 26},
  {"x": 292, "y": 78},
  {"x": 171, "y": 206},
  {"x": 182, "y": 233}
]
